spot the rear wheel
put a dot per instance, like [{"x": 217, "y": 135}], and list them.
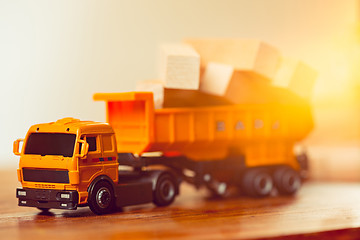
[
  {"x": 287, "y": 180},
  {"x": 165, "y": 190},
  {"x": 102, "y": 198},
  {"x": 257, "y": 182}
]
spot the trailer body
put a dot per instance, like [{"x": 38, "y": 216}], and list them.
[{"x": 264, "y": 133}]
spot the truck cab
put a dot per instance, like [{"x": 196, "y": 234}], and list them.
[{"x": 71, "y": 163}]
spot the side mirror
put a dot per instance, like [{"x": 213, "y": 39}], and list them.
[
  {"x": 84, "y": 149},
  {"x": 16, "y": 146}
]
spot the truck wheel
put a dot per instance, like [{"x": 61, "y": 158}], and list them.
[
  {"x": 287, "y": 180},
  {"x": 165, "y": 190},
  {"x": 102, "y": 198},
  {"x": 43, "y": 209},
  {"x": 257, "y": 182}
]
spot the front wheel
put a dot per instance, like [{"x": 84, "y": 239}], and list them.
[
  {"x": 102, "y": 198},
  {"x": 165, "y": 190},
  {"x": 43, "y": 209}
]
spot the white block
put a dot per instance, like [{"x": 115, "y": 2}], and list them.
[
  {"x": 216, "y": 78},
  {"x": 245, "y": 55},
  {"x": 154, "y": 86},
  {"x": 180, "y": 67},
  {"x": 297, "y": 76}
]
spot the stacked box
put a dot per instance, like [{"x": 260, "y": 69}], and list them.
[{"x": 208, "y": 72}]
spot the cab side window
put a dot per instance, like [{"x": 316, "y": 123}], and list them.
[
  {"x": 92, "y": 143},
  {"x": 107, "y": 143}
]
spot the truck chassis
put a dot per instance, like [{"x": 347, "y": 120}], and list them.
[{"x": 142, "y": 185}]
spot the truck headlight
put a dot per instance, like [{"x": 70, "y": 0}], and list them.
[
  {"x": 65, "y": 195},
  {"x": 22, "y": 193}
]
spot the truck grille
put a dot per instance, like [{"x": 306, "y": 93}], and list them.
[
  {"x": 49, "y": 186},
  {"x": 48, "y": 176}
]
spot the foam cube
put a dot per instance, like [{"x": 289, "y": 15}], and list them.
[
  {"x": 216, "y": 78},
  {"x": 154, "y": 86},
  {"x": 297, "y": 76},
  {"x": 235, "y": 86},
  {"x": 179, "y": 67},
  {"x": 252, "y": 56}
]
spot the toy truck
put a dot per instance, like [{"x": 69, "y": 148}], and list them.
[{"x": 71, "y": 163}]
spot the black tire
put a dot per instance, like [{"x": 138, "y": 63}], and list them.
[
  {"x": 165, "y": 190},
  {"x": 287, "y": 180},
  {"x": 43, "y": 209},
  {"x": 102, "y": 198},
  {"x": 257, "y": 182}
]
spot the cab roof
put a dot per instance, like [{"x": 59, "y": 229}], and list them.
[{"x": 72, "y": 125}]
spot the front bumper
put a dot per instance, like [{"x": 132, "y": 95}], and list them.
[{"x": 47, "y": 198}]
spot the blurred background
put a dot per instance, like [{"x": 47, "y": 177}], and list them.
[{"x": 55, "y": 54}]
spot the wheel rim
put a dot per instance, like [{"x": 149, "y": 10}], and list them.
[
  {"x": 291, "y": 182},
  {"x": 263, "y": 184},
  {"x": 167, "y": 190},
  {"x": 103, "y": 197}
]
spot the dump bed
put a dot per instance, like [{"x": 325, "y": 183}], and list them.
[{"x": 206, "y": 133}]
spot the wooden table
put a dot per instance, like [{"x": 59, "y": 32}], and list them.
[{"x": 318, "y": 211}]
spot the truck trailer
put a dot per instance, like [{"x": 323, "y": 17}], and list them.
[{"x": 142, "y": 154}]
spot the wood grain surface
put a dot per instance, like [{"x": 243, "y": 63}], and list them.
[{"x": 318, "y": 211}]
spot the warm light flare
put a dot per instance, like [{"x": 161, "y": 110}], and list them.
[
  {"x": 339, "y": 73},
  {"x": 337, "y": 92}
]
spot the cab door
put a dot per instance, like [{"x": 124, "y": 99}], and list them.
[{"x": 91, "y": 166}]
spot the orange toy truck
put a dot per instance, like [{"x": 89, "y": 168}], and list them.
[{"x": 70, "y": 163}]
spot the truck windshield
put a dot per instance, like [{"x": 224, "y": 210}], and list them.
[{"x": 61, "y": 144}]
